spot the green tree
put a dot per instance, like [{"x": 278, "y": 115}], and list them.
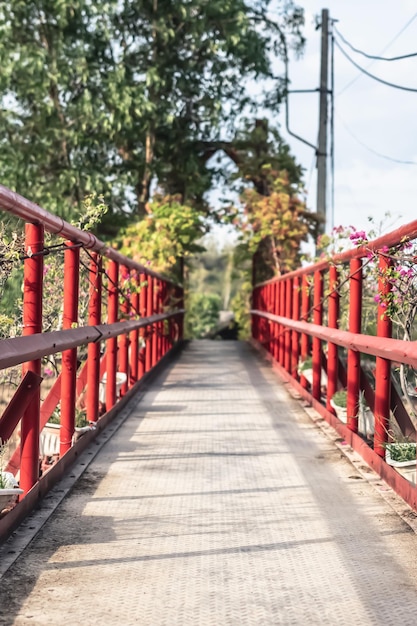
[
  {"x": 170, "y": 232},
  {"x": 109, "y": 96}
]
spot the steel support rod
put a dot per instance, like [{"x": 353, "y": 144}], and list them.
[
  {"x": 354, "y": 357},
  {"x": 383, "y": 366},
  {"x": 295, "y": 337},
  {"x": 94, "y": 319},
  {"x": 32, "y": 324},
  {"x": 317, "y": 319},
  {"x": 142, "y": 309},
  {"x": 124, "y": 339},
  {"x": 111, "y": 349},
  {"x": 69, "y": 357},
  {"x": 333, "y": 322},
  {"x": 149, "y": 329}
]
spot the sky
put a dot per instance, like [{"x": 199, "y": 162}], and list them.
[{"x": 366, "y": 112}]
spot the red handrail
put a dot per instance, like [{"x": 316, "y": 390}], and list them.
[
  {"x": 306, "y": 326},
  {"x": 160, "y": 324}
]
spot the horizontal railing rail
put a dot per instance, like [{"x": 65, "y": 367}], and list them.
[
  {"x": 93, "y": 323},
  {"x": 296, "y": 318}
]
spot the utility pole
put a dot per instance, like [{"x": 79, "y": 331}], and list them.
[{"x": 323, "y": 116}]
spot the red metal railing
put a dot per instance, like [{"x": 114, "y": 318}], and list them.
[
  {"x": 134, "y": 318},
  {"x": 292, "y": 319}
]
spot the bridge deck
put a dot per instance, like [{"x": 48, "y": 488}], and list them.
[{"x": 217, "y": 502}]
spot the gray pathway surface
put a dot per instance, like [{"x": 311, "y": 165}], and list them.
[{"x": 217, "y": 502}]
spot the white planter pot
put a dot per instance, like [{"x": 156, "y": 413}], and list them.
[
  {"x": 308, "y": 375},
  {"x": 366, "y": 424},
  {"x": 408, "y": 469},
  {"x": 341, "y": 412},
  {"x": 121, "y": 378},
  {"x": 49, "y": 439},
  {"x": 9, "y": 496}
]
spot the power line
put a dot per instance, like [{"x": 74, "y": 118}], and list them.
[
  {"x": 375, "y": 152},
  {"x": 371, "y": 56},
  {"x": 364, "y": 71},
  {"x": 400, "y": 32}
]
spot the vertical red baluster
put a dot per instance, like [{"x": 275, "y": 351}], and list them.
[
  {"x": 305, "y": 314},
  {"x": 276, "y": 325},
  {"x": 32, "y": 324},
  {"x": 295, "y": 337},
  {"x": 149, "y": 329},
  {"x": 155, "y": 326},
  {"x": 281, "y": 340},
  {"x": 159, "y": 332},
  {"x": 287, "y": 338},
  {"x": 94, "y": 318},
  {"x": 134, "y": 335},
  {"x": 333, "y": 321},
  {"x": 112, "y": 317},
  {"x": 271, "y": 325},
  {"x": 317, "y": 319},
  {"x": 69, "y": 357},
  {"x": 181, "y": 324},
  {"x": 354, "y": 357},
  {"x": 383, "y": 366},
  {"x": 142, "y": 308},
  {"x": 124, "y": 339}
]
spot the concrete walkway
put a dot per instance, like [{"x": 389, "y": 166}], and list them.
[{"x": 217, "y": 502}]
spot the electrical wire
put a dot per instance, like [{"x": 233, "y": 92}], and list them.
[
  {"x": 371, "y": 56},
  {"x": 364, "y": 71},
  {"x": 400, "y": 32},
  {"x": 364, "y": 145}
]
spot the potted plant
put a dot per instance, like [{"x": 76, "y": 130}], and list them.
[
  {"x": 339, "y": 403},
  {"x": 9, "y": 487},
  {"x": 366, "y": 424},
  {"x": 402, "y": 456}
]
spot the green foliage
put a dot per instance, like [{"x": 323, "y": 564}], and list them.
[
  {"x": 340, "y": 398},
  {"x": 401, "y": 452},
  {"x": 170, "y": 231},
  {"x": 109, "y": 96},
  {"x": 202, "y": 314}
]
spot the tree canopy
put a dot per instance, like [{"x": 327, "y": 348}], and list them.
[{"x": 113, "y": 96}]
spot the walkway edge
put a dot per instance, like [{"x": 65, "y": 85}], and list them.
[
  {"x": 400, "y": 506},
  {"x": 21, "y": 534}
]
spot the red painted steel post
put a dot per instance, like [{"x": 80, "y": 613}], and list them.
[
  {"x": 124, "y": 339},
  {"x": 333, "y": 322},
  {"x": 112, "y": 317},
  {"x": 149, "y": 329},
  {"x": 305, "y": 314},
  {"x": 69, "y": 357},
  {"x": 142, "y": 309},
  {"x": 94, "y": 318},
  {"x": 134, "y": 336},
  {"x": 383, "y": 366},
  {"x": 317, "y": 319},
  {"x": 276, "y": 326},
  {"x": 354, "y": 357},
  {"x": 295, "y": 338},
  {"x": 288, "y": 312},
  {"x": 181, "y": 322},
  {"x": 270, "y": 325},
  {"x": 155, "y": 326},
  {"x": 159, "y": 326},
  {"x": 164, "y": 324},
  {"x": 32, "y": 324},
  {"x": 281, "y": 340}
]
